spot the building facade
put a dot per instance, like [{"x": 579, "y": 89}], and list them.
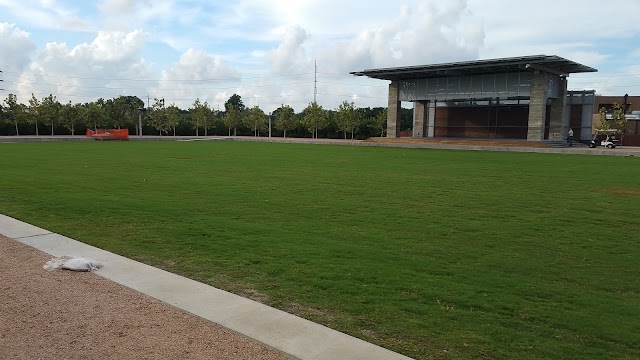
[{"x": 511, "y": 98}]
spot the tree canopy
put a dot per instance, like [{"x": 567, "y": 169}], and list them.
[{"x": 47, "y": 115}]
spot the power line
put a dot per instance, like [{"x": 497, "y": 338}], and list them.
[
  {"x": 156, "y": 80},
  {"x": 167, "y": 89}
]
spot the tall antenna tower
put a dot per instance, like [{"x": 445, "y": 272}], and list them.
[{"x": 315, "y": 80}]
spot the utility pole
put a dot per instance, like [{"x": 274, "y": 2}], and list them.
[
  {"x": 140, "y": 110},
  {"x": 315, "y": 80}
]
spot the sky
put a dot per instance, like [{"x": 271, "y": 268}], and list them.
[{"x": 276, "y": 52}]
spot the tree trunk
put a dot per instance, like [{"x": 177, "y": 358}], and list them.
[
  {"x": 229, "y": 131},
  {"x": 52, "y": 128},
  {"x": 285, "y": 133},
  {"x": 197, "y": 129},
  {"x": 205, "y": 127},
  {"x": 17, "y": 132},
  {"x": 174, "y": 130},
  {"x": 235, "y": 133},
  {"x": 73, "y": 129},
  {"x": 345, "y": 135},
  {"x": 351, "y": 134},
  {"x": 37, "y": 128}
]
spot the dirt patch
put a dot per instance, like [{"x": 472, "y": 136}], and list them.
[
  {"x": 624, "y": 192},
  {"x": 69, "y": 315}
]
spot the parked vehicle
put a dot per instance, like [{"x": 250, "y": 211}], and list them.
[{"x": 609, "y": 141}]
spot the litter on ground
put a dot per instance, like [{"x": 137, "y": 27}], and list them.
[{"x": 72, "y": 263}]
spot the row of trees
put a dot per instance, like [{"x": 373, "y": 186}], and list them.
[{"x": 200, "y": 118}]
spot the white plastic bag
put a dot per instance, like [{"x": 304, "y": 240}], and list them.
[{"x": 72, "y": 263}]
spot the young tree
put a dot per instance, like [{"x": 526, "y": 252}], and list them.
[
  {"x": 619, "y": 120},
  {"x": 348, "y": 118},
  {"x": 380, "y": 122},
  {"x": 123, "y": 111},
  {"x": 158, "y": 117},
  {"x": 33, "y": 109},
  {"x": 71, "y": 115},
  {"x": 314, "y": 118},
  {"x": 232, "y": 118},
  {"x": 236, "y": 101},
  {"x": 49, "y": 110},
  {"x": 256, "y": 120},
  {"x": 285, "y": 119},
  {"x": 95, "y": 114},
  {"x": 173, "y": 117},
  {"x": 14, "y": 110},
  {"x": 199, "y": 114}
]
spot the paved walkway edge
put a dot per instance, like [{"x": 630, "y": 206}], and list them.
[{"x": 290, "y": 334}]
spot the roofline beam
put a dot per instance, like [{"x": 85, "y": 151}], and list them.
[{"x": 546, "y": 69}]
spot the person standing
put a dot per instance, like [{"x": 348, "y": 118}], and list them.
[{"x": 570, "y": 137}]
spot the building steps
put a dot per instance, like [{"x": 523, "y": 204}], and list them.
[{"x": 563, "y": 143}]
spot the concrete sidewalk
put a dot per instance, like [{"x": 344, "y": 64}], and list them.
[{"x": 277, "y": 329}]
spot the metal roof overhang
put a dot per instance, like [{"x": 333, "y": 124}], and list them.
[{"x": 549, "y": 63}]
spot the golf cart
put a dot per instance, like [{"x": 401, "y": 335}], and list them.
[{"x": 609, "y": 141}]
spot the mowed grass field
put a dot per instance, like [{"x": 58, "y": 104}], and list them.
[{"x": 434, "y": 254}]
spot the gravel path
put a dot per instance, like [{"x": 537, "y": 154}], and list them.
[{"x": 69, "y": 315}]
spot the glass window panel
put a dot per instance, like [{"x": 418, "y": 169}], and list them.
[
  {"x": 421, "y": 89},
  {"x": 441, "y": 88},
  {"x": 512, "y": 84},
  {"x": 432, "y": 88},
  {"x": 501, "y": 85},
  {"x": 524, "y": 87},
  {"x": 465, "y": 87},
  {"x": 407, "y": 90},
  {"x": 476, "y": 86},
  {"x": 453, "y": 87},
  {"x": 488, "y": 85}
]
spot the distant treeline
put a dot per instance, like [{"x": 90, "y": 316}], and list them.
[{"x": 47, "y": 116}]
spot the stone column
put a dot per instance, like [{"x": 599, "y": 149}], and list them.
[
  {"x": 559, "y": 122},
  {"x": 419, "y": 118},
  {"x": 431, "y": 122},
  {"x": 538, "y": 106},
  {"x": 588, "y": 109},
  {"x": 393, "y": 111}
]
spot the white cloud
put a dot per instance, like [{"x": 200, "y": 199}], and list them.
[
  {"x": 16, "y": 48},
  {"x": 290, "y": 56},
  {"x": 196, "y": 75},
  {"x": 102, "y": 68},
  {"x": 120, "y": 7},
  {"x": 48, "y": 14}
]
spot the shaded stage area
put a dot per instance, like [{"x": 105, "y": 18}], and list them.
[{"x": 482, "y": 122}]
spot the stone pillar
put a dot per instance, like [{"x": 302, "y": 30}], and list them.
[
  {"x": 538, "y": 106},
  {"x": 559, "y": 116},
  {"x": 431, "y": 122},
  {"x": 419, "y": 118},
  {"x": 588, "y": 109},
  {"x": 393, "y": 111}
]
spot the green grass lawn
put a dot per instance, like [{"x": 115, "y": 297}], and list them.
[{"x": 434, "y": 254}]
